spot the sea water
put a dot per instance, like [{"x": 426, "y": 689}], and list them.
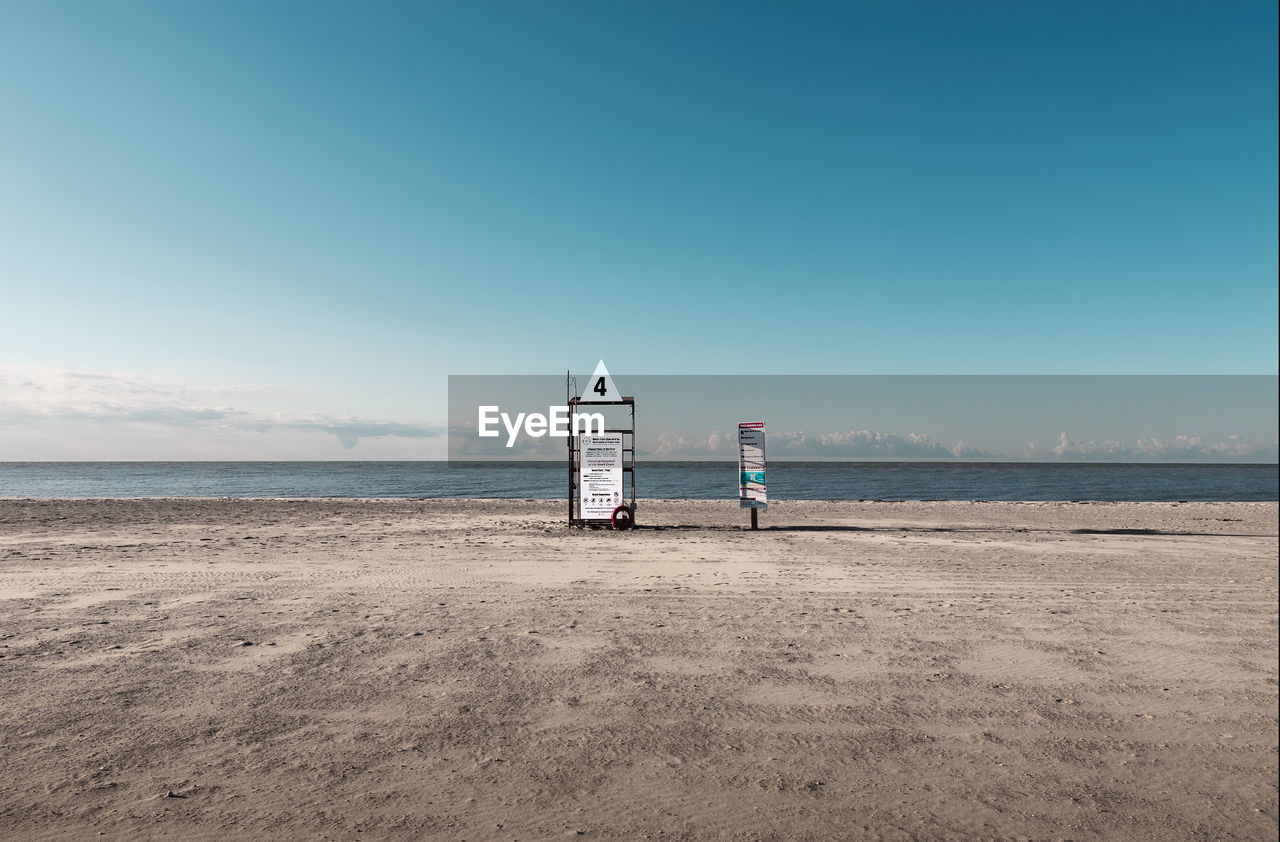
[{"x": 663, "y": 480}]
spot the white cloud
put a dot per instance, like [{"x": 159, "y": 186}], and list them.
[
  {"x": 47, "y": 404},
  {"x": 1179, "y": 448},
  {"x": 869, "y": 444},
  {"x": 800, "y": 445},
  {"x": 675, "y": 446}
]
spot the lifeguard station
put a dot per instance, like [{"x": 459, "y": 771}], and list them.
[{"x": 602, "y": 458}]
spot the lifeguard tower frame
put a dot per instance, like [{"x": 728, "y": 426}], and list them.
[{"x": 576, "y": 405}]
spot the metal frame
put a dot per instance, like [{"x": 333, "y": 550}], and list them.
[{"x": 575, "y": 456}]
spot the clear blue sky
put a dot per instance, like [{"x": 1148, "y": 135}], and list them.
[{"x": 353, "y": 200}]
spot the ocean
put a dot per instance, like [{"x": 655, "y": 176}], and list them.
[{"x": 662, "y": 480}]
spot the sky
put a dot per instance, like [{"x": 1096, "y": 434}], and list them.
[{"x": 238, "y": 229}]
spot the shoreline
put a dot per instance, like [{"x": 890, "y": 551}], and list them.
[{"x": 562, "y": 501}]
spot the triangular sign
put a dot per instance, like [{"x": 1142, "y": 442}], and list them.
[{"x": 600, "y": 387}]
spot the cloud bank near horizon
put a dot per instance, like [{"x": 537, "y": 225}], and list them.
[
  {"x": 868, "y": 444},
  {"x": 184, "y": 419},
  {"x": 55, "y": 414}
]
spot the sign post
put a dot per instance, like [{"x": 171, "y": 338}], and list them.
[{"x": 752, "y": 493}]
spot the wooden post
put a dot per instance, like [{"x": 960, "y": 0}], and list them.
[{"x": 755, "y": 524}]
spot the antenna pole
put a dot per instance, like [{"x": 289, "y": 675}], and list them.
[{"x": 570, "y": 442}]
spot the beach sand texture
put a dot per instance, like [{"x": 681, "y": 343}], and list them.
[{"x": 286, "y": 669}]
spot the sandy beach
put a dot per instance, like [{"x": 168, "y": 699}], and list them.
[{"x": 325, "y": 669}]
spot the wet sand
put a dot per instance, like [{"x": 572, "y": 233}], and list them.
[{"x": 350, "y": 669}]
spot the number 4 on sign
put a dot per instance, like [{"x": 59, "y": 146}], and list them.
[{"x": 602, "y": 387}]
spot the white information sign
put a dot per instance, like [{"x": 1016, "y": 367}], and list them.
[
  {"x": 751, "y": 487},
  {"x": 600, "y": 476}
]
